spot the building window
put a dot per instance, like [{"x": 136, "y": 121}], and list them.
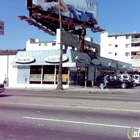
[
  {"x": 127, "y": 54},
  {"x": 127, "y": 45},
  {"x": 133, "y": 53},
  {"x": 39, "y": 44},
  {"x": 45, "y": 44},
  {"x": 35, "y": 74},
  {"x": 110, "y": 53},
  {"x": 116, "y": 54},
  {"x": 110, "y": 44},
  {"x": 115, "y": 37},
  {"x": 53, "y": 44},
  {"x": 48, "y": 74},
  {"x": 116, "y": 46},
  {"x": 127, "y": 37}
]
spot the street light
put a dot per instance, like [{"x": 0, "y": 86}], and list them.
[{"x": 59, "y": 82}]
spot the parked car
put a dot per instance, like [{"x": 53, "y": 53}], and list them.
[
  {"x": 114, "y": 81},
  {"x": 2, "y": 89},
  {"x": 127, "y": 77},
  {"x": 136, "y": 79}
]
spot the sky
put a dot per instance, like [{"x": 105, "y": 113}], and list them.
[{"x": 115, "y": 16}]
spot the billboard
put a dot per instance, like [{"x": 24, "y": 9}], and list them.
[
  {"x": 69, "y": 39},
  {"x": 78, "y": 10},
  {"x": 1, "y": 28}
]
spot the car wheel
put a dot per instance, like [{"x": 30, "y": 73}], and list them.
[
  {"x": 123, "y": 85},
  {"x": 101, "y": 85},
  {"x": 134, "y": 85}
]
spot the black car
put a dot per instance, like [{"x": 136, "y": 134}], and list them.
[
  {"x": 114, "y": 81},
  {"x": 2, "y": 89}
]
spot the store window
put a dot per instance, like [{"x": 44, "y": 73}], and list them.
[
  {"x": 35, "y": 74},
  {"x": 64, "y": 75},
  {"x": 48, "y": 74}
]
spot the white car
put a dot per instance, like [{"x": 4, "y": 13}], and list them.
[
  {"x": 127, "y": 77},
  {"x": 136, "y": 79}
]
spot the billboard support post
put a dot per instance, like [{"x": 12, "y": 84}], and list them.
[{"x": 59, "y": 82}]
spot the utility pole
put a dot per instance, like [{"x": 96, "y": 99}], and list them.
[{"x": 59, "y": 82}]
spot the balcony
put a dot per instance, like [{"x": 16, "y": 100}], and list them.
[
  {"x": 135, "y": 59},
  {"x": 135, "y": 40},
  {"x": 135, "y": 48}
]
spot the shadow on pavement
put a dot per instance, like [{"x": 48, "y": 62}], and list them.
[{"x": 2, "y": 95}]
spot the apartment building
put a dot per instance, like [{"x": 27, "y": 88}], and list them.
[{"x": 122, "y": 47}]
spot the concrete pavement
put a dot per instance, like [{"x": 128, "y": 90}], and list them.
[{"x": 73, "y": 89}]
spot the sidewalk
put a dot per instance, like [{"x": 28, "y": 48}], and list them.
[{"x": 74, "y": 89}]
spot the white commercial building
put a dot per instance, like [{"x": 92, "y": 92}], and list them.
[
  {"x": 37, "y": 65},
  {"x": 121, "y": 47}
]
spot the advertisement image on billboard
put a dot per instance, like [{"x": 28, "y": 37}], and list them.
[{"x": 78, "y": 10}]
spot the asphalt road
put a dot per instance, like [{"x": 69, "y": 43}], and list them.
[{"x": 38, "y": 115}]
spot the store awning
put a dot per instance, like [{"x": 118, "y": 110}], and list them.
[
  {"x": 44, "y": 57},
  {"x": 71, "y": 58}
]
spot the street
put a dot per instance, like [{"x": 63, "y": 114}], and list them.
[{"x": 34, "y": 115}]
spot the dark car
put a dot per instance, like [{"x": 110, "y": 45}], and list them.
[
  {"x": 2, "y": 89},
  {"x": 114, "y": 81}
]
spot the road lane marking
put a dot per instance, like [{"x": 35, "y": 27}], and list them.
[
  {"x": 76, "y": 122},
  {"x": 75, "y": 107},
  {"x": 83, "y": 100}
]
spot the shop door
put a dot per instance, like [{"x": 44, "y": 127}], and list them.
[{"x": 77, "y": 78}]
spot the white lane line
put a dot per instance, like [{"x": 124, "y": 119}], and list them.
[{"x": 85, "y": 123}]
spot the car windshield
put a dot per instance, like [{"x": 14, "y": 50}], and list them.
[{"x": 125, "y": 76}]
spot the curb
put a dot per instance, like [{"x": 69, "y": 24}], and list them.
[{"x": 70, "y": 91}]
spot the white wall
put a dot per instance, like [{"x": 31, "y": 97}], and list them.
[
  {"x": 7, "y": 69},
  {"x": 108, "y": 48},
  {"x": 12, "y": 74},
  {"x": 36, "y": 45},
  {"x": 3, "y": 68}
]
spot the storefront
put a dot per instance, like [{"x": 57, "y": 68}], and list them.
[{"x": 41, "y": 67}]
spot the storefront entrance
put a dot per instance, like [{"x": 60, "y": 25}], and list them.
[{"x": 77, "y": 77}]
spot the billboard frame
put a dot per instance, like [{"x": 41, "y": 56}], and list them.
[
  {"x": 1, "y": 27},
  {"x": 50, "y": 22}
]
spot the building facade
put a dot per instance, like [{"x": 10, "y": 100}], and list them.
[
  {"x": 37, "y": 65},
  {"x": 122, "y": 47}
]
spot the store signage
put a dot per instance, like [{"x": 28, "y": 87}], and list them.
[
  {"x": 96, "y": 61},
  {"x": 69, "y": 64},
  {"x": 127, "y": 67},
  {"x": 82, "y": 59},
  {"x": 55, "y": 59},
  {"x": 114, "y": 65},
  {"x": 24, "y": 59},
  {"x": 120, "y": 66}
]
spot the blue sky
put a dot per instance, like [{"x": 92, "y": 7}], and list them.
[{"x": 115, "y": 16}]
